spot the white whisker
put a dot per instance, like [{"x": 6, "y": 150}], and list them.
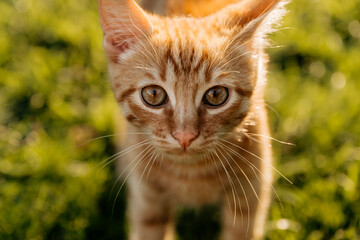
[
  {"x": 230, "y": 182},
  {"x": 153, "y": 161},
  {"x": 236, "y": 48},
  {"x": 111, "y": 159},
  {"x": 147, "y": 38},
  {"x": 254, "y": 155},
  {"x": 128, "y": 166},
  {"x": 221, "y": 181},
  {"x": 253, "y": 167},
  {"x": 232, "y": 169},
  {"x": 148, "y": 163},
  {"x": 274, "y": 139},
  {"x": 237, "y": 57},
  {"x": 111, "y": 135},
  {"x": 147, "y": 149},
  {"x": 134, "y": 45}
]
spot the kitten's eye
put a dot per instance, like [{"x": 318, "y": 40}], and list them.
[
  {"x": 154, "y": 95},
  {"x": 216, "y": 96}
]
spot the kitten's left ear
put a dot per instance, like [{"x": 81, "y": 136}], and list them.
[
  {"x": 249, "y": 15},
  {"x": 124, "y": 24}
]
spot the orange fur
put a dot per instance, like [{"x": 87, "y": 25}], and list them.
[{"x": 226, "y": 162}]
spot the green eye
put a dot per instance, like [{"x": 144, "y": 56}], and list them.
[
  {"x": 216, "y": 96},
  {"x": 154, "y": 95}
]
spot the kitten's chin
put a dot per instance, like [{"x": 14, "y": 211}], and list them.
[{"x": 184, "y": 156}]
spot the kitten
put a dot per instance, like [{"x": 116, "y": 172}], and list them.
[{"x": 191, "y": 90}]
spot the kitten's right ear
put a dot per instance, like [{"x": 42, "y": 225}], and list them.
[
  {"x": 249, "y": 15},
  {"x": 124, "y": 24}
]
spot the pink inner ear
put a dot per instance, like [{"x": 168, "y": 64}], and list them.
[
  {"x": 115, "y": 45},
  {"x": 124, "y": 24}
]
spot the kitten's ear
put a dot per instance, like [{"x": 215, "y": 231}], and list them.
[
  {"x": 249, "y": 15},
  {"x": 124, "y": 24}
]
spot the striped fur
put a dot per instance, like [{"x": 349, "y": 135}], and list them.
[{"x": 226, "y": 162}]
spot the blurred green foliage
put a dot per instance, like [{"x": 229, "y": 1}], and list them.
[{"x": 54, "y": 98}]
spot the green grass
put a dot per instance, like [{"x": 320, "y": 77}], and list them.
[{"x": 55, "y": 96}]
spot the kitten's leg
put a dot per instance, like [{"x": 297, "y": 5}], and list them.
[
  {"x": 258, "y": 171},
  {"x": 150, "y": 216},
  {"x": 239, "y": 226},
  {"x": 248, "y": 221}
]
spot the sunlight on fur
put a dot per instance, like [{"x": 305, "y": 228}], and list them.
[{"x": 191, "y": 88}]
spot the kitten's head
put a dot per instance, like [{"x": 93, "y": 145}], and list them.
[{"x": 188, "y": 81}]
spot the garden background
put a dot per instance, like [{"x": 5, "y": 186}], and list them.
[{"x": 55, "y": 97}]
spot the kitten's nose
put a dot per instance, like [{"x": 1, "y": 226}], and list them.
[{"x": 185, "y": 137}]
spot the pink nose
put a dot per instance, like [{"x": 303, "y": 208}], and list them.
[{"x": 184, "y": 138}]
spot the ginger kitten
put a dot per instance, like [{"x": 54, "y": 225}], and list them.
[{"x": 191, "y": 90}]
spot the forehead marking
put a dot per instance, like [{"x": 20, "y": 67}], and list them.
[
  {"x": 126, "y": 93},
  {"x": 243, "y": 92},
  {"x": 150, "y": 76}
]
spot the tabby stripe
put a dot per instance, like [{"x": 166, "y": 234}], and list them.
[
  {"x": 131, "y": 118},
  {"x": 208, "y": 74},
  {"x": 154, "y": 222},
  {"x": 169, "y": 56},
  {"x": 192, "y": 56},
  {"x": 201, "y": 61},
  {"x": 126, "y": 94},
  {"x": 150, "y": 76},
  {"x": 242, "y": 92}
]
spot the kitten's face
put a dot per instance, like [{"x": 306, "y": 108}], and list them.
[
  {"x": 186, "y": 81},
  {"x": 172, "y": 86}
]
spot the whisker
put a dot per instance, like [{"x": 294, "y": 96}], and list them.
[
  {"x": 149, "y": 161},
  {"x": 221, "y": 181},
  {"x": 241, "y": 157},
  {"x": 206, "y": 157},
  {"x": 274, "y": 139},
  {"x": 254, "y": 155},
  {"x": 242, "y": 188},
  {"x": 232, "y": 169},
  {"x": 128, "y": 166},
  {"x": 237, "y": 47},
  {"x": 247, "y": 134},
  {"x": 152, "y": 164},
  {"x": 111, "y": 135},
  {"x": 253, "y": 167},
  {"x": 101, "y": 137},
  {"x": 239, "y": 56},
  {"x": 272, "y": 187},
  {"x": 144, "y": 54},
  {"x": 137, "y": 66},
  {"x": 252, "y": 138},
  {"x": 248, "y": 180},
  {"x": 231, "y": 72},
  {"x": 162, "y": 159},
  {"x": 111, "y": 159},
  {"x": 230, "y": 182},
  {"x": 145, "y": 68},
  {"x": 127, "y": 176},
  {"x": 132, "y": 21},
  {"x": 147, "y": 38}
]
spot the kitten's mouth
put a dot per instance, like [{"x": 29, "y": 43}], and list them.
[
  {"x": 182, "y": 151},
  {"x": 186, "y": 152},
  {"x": 184, "y": 155}
]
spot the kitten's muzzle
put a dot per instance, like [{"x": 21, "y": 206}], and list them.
[{"x": 185, "y": 138}]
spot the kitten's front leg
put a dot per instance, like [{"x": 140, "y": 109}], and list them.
[
  {"x": 246, "y": 221},
  {"x": 237, "y": 224},
  {"x": 150, "y": 215}
]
